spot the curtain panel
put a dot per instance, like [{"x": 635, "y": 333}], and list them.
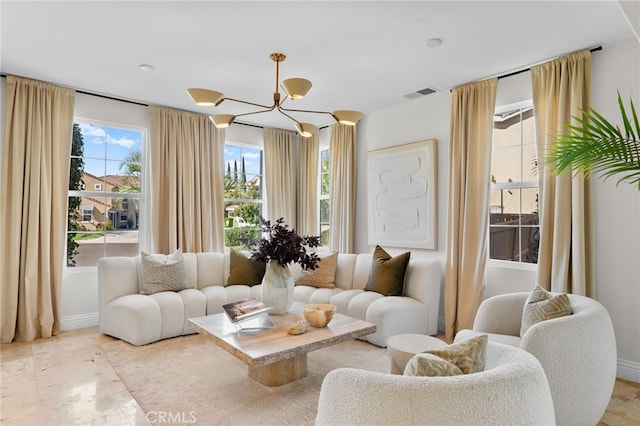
[
  {"x": 186, "y": 182},
  {"x": 309, "y": 154},
  {"x": 342, "y": 198},
  {"x": 471, "y": 135},
  {"x": 562, "y": 88},
  {"x": 280, "y": 158},
  {"x": 36, "y": 148}
]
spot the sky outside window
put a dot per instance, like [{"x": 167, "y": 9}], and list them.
[{"x": 120, "y": 143}]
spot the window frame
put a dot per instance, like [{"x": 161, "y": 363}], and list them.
[
  {"x": 260, "y": 201},
  {"x": 324, "y": 197},
  {"x": 139, "y": 197},
  {"x": 520, "y": 185}
]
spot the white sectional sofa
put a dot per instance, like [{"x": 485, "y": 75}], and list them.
[{"x": 140, "y": 319}]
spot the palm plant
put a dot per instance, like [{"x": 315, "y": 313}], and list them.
[{"x": 594, "y": 145}]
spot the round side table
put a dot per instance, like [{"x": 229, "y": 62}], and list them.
[{"x": 402, "y": 347}]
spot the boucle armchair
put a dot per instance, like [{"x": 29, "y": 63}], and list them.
[
  {"x": 577, "y": 352},
  {"x": 512, "y": 390}
]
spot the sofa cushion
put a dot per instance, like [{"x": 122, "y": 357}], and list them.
[
  {"x": 387, "y": 273},
  {"x": 323, "y": 276},
  {"x": 163, "y": 272},
  {"x": 244, "y": 270},
  {"x": 465, "y": 357},
  {"x": 542, "y": 305}
]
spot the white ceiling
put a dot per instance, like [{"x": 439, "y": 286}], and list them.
[{"x": 363, "y": 55}]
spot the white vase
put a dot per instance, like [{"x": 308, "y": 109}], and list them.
[{"x": 277, "y": 288}]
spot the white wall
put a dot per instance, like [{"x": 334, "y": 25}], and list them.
[{"x": 617, "y": 209}]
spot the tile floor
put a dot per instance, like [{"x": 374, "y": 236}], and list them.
[{"x": 67, "y": 380}]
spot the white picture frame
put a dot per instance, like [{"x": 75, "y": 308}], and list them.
[{"x": 402, "y": 195}]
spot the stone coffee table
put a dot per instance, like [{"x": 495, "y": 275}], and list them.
[{"x": 275, "y": 357}]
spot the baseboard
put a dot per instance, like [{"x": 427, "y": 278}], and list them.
[
  {"x": 440, "y": 323},
  {"x": 73, "y": 322},
  {"x": 628, "y": 370}
]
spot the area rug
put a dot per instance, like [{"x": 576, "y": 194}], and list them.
[{"x": 189, "y": 380}]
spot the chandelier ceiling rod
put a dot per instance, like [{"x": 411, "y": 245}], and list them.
[{"x": 296, "y": 88}]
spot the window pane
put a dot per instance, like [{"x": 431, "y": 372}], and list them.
[
  {"x": 529, "y": 206},
  {"x": 324, "y": 222},
  {"x": 107, "y": 160},
  {"x": 506, "y": 165},
  {"x": 530, "y": 237},
  {"x": 504, "y": 242},
  {"x": 243, "y": 173},
  {"x": 241, "y": 224},
  {"x": 505, "y": 205},
  {"x": 324, "y": 173}
]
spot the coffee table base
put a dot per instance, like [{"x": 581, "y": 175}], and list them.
[{"x": 280, "y": 372}]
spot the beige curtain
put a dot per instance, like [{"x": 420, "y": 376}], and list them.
[
  {"x": 186, "y": 182},
  {"x": 280, "y": 159},
  {"x": 309, "y": 153},
  {"x": 342, "y": 193},
  {"x": 472, "y": 109},
  {"x": 562, "y": 88},
  {"x": 36, "y": 148}
]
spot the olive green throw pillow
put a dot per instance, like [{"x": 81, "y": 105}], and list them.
[
  {"x": 387, "y": 273},
  {"x": 244, "y": 270},
  {"x": 541, "y": 306},
  {"x": 464, "y": 357}
]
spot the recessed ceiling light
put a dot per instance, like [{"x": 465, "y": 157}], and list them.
[
  {"x": 433, "y": 42},
  {"x": 146, "y": 67}
]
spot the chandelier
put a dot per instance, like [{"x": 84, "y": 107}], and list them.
[{"x": 295, "y": 88}]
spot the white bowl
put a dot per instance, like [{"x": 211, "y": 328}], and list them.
[{"x": 318, "y": 314}]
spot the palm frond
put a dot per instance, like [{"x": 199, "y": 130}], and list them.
[{"x": 592, "y": 144}]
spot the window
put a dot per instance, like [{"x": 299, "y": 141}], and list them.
[
  {"x": 242, "y": 194},
  {"x": 101, "y": 222},
  {"x": 513, "y": 226},
  {"x": 325, "y": 212}
]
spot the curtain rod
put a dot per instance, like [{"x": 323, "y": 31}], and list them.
[{"x": 595, "y": 49}]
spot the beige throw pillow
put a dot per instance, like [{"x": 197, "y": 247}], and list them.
[
  {"x": 542, "y": 305},
  {"x": 244, "y": 270},
  {"x": 464, "y": 357},
  {"x": 387, "y": 273},
  {"x": 324, "y": 276},
  {"x": 163, "y": 272}
]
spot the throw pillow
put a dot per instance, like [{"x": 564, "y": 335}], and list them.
[
  {"x": 542, "y": 305},
  {"x": 244, "y": 270},
  {"x": 163, "y": 272},
  {"x": 387, "y": 273},
  {"x": 464, "y": 357},
  {"x": 323, "y": 276}
]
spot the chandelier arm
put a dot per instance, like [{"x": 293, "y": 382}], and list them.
[
  {"x": 287, "y": 115},
  {"x": 270, "y": 108},
  {"x": 308, "y": 111}
]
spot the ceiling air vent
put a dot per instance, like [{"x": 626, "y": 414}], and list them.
[{"x": 421, "y": 92}]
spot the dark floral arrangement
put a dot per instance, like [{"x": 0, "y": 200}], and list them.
[{"x": 283, "y": 245}]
